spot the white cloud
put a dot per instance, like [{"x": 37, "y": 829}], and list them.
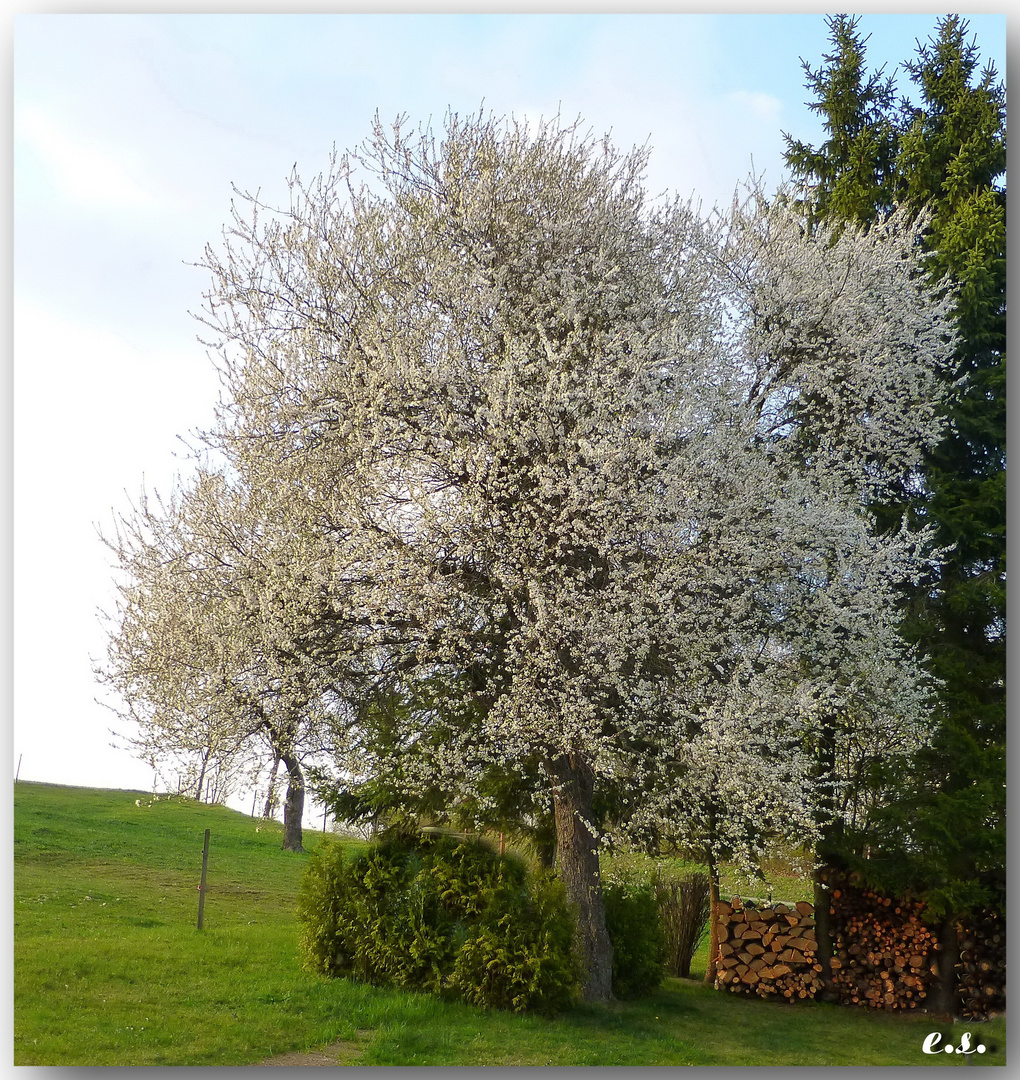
[
  {"x": 86, "y": 172},
  {"x": 762, "y": 107}
]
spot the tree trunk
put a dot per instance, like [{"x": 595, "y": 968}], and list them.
[
  {"x": 545, "y": 852},
  {"x": 828, "y": 852},
  {"x": 577, "y": 859},
  {"x": 943, "y": 999},
  {"x": 293, "y": 805},
  {"x": 271, "y": 793},
  {"x": 823, "y": 935},
  {"x": 545, "y": 839},
  {"x": 201, "y": 776},
  {"x": 713, "y": 919}
]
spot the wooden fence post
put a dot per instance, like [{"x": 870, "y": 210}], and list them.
[{"x": 201, "y": 887}]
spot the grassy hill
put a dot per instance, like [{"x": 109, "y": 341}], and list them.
[{"x": 110, "y": 968}]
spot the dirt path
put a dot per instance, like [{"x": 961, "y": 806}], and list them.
[{"x": 343, "y": 1052}]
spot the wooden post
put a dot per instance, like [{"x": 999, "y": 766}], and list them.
[
  {"x": 713, "y": 920},
  {"x": 201, "y": 887}
]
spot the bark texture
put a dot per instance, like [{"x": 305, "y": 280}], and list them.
[
  {"x": 201, "y": 776},
  {"x": 293, "y": 805},
  {"x": 943, "y": 1000},
  {"x": 577, "y": 859},
  {"x": 271, "y": 793}
]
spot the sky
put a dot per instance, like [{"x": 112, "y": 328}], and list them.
[{"x": 129, "y": 132}]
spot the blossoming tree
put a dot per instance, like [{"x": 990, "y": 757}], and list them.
[
  {"x": 586, "y": 456},
  {"x": 223, "y": 643}
]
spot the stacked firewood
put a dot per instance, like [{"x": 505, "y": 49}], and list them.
[
  {"x": 981, "y": 970},
  {"x": 884, "y": 954},
  {"x": 767, "y": 950}
]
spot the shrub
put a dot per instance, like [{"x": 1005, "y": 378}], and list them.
[
  {"x": 684, "y": 909},
  {"x": 442, "y": 915},
  {"x": 321, "y": 902},
  {"x": 632, "y": 919}
]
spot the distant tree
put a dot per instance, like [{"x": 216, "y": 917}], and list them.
[
  {"x": 943, "y": 833},
  {"x": 217, "y": 647},
  {"x": 742, "y": 782},
  {"x": 193, "y": 755},
  {"x": 561, "y": 433},
  {"x": 786, "y": 755}
]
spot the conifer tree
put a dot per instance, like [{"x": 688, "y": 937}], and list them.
[
  {"x": 850, "y": 176},
  {"x": 943, "y": 833}
]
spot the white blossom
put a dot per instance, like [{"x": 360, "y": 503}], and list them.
[{"x": 605, "y": 465}]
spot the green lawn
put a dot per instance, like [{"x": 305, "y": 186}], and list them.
[{"x": 111, "y": 970}]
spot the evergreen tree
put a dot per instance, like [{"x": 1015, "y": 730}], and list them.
[
  {"x": 943, "y": 835},
  {"x": 952, "y": 153},
  {"x": 850, "y": 176}
]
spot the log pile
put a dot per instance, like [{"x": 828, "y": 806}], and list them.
[
  {"x": 768, "y": 950},
  {"x": 884, "y": 956},
  {"x": 981, "y": 969}
]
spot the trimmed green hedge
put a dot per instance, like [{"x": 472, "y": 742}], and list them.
[
  {"x": 635, "y": 928},
  {"x": 442, "y": 915}
]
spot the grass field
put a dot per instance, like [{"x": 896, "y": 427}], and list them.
[{"x": 110, "y": 968}]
